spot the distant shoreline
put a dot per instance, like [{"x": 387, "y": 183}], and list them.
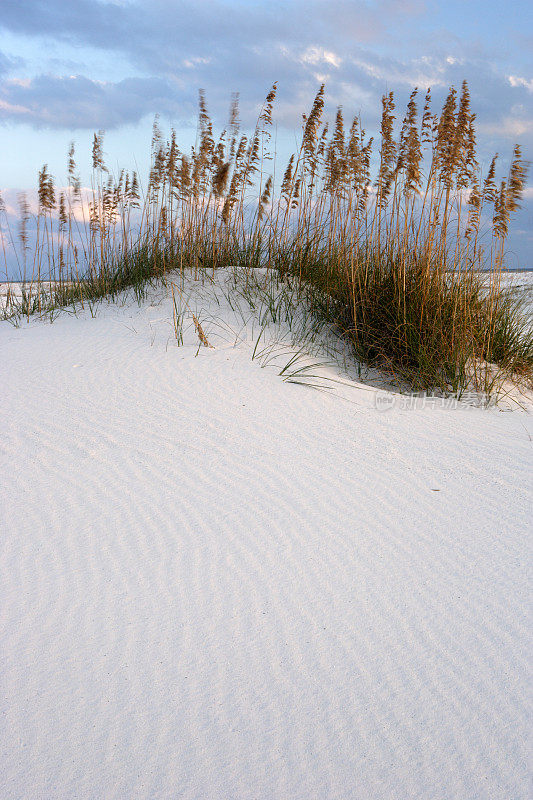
[{"x": 11, "y": 281}]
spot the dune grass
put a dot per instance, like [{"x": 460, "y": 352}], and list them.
[{"x": 386, "y": 242}]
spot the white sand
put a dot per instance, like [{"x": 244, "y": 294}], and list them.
[{"x": 217, "y": 585}]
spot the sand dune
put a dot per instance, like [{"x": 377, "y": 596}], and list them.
[{"x": 219, "y": 585}]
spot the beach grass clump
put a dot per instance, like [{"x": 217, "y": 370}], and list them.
[
  {"x": 388, "y": 239},
  {"x": 511, "y": 344}
]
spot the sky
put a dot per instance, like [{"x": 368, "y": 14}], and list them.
[{"x": 71, "y": 67}]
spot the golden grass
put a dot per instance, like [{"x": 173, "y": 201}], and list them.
[{"x": 388, "y": 240}]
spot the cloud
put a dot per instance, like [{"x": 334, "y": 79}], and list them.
[
  {"x": 78, "y": 102},
  {"x": 509, "y": 127},
  {"x": 317, "y": 55},
  {"x": 354, "y": 80},
  {"x": 161, "y": 37},
  {"x": 516, "y": 80},
  {"x": 360, "y": 49}
]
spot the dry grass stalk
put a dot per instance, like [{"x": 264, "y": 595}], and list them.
[
  {"x": 393, "y": 256},
  {"x": 201, "y": 335}
]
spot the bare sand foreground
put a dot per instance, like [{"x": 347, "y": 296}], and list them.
[{"x": 218, "y": 585}]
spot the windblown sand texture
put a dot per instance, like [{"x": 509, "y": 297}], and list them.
[{"x": 219, "y": 585}]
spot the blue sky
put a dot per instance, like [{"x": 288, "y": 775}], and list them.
[{"x": 69, "y": 68}]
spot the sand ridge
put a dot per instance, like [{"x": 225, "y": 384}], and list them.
[{"x": 220, "y": 585}]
